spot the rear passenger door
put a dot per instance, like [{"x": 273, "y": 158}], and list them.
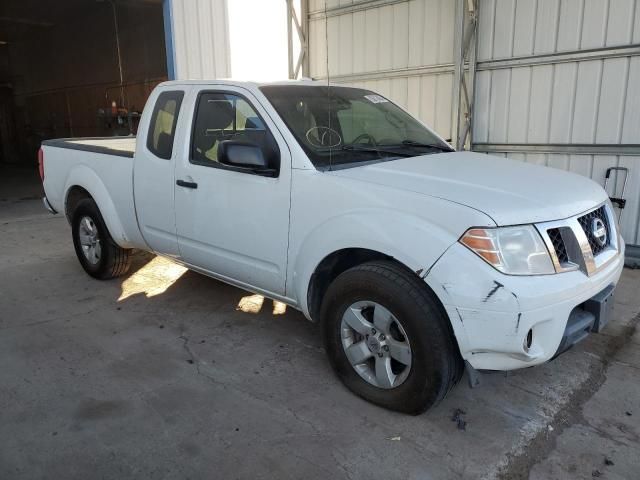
[
  {"x": 232, "y": 222},
  {"x": 154, "y": 171}
]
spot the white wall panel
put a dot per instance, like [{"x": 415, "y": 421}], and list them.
[
  {"x": 594, "y": 23},
  {"x": 594, "y": 167},
  {"x": 504, "y": 28},
  {"x": 587, "y": 99},
  {"x": 400, "y": 47},
  {"x": 631, "y": 119},
  {"x": 636, "y": 23},
  {"x": 200, "y": 31},
  {"x": 371, "y": 45},
  {"x": 333, "y": 39},
  {"x": 416, "y": 28},
  {"x": 578, "y": 102},
  {"x": 548, "y": 26},
  {"x": 386, "y": 48},
  {"x": 613, "y": 93},
  {"x": 620, "y": 22},
  {"x": 499, "y": 108},
  {"x": 563, "y": 101},
  {"x": 540, "y": 104},
  {"x": 359, "y": 42},
  {"x": 519, "y": 102},
  {"x": 482, "y": 107},
  {"x": 385, "y": 35},
  {"x": 429, "y": 36},
  {"x": 345, "y": 38},
  {"x": 595, "y": 101},
  {"x": 570, "y": 25},
  {"x": 381, "y": 39},
  {"x": 523, "y": 41},
  {"x": 486, "y": 28}
]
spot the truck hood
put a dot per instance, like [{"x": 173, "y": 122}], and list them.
[{"x": 509, "y": 191}]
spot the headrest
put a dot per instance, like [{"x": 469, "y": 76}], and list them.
[{"x": 216, "y": 115}]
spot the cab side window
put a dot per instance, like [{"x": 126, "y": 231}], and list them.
[
  {"x": 225, "y": 116},
  {"x": 163, "y": 124}
]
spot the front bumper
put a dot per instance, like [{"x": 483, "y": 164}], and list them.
[
  {"x": 591, "y": 316},
  {"x": 492, "y": 313}
]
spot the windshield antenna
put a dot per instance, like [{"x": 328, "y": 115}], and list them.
[{"x": 326, "y": 46}]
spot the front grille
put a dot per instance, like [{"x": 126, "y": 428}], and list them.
[
  {"x": 586, "y": 222},
  {"x": 558, "y": 244},
  {"x": 573, "y": 245}
]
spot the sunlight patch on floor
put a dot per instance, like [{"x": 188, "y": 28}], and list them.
[
  {"x": 152, "y": 279},
  {"x": 279, "y": 308},
  {"x": 250, "y": 303},
  {"x": 253, "y": 304}
]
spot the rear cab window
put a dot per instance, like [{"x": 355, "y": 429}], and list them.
[{"x": 162, "y": 128}]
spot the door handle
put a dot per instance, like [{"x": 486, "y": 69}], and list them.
[{"x": 185, "y": 184}]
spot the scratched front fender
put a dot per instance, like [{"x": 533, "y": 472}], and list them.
[{"x": 462, "y": 279}]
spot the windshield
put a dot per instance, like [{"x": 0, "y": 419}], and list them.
[{"x": 340, "y": 126}]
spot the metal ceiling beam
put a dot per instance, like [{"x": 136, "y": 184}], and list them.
[
  {"x": 391, "y": 73},
  {"x": 356, "y": 6},
  {"x": 561, "y": 57},
  {"x": 626, "y": 149}
]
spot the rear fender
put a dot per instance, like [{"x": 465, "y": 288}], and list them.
[{"x": 83, "y": 176}]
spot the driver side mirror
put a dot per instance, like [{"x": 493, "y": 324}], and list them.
[{"x": 247, "y": 156}]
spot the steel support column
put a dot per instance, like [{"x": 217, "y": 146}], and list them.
[
  {"x": 464, "y": 73},
  {"x": 301, "y": 23}
]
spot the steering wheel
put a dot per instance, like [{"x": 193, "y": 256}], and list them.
[
  {"x": 364, "y": 136},
  {"x": 323, "y": 137}
]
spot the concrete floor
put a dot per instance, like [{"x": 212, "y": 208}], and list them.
[{"x": 162, "y": 374}]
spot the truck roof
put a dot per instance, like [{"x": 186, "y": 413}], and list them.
[{"x": 250, "y": 83}]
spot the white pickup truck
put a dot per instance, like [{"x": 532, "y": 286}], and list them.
[{"x": 416, "y": 259}]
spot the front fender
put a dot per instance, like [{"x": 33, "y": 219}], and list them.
[
  {"x": 409, "y": 239},
  {"x": 83, "y": 176}
]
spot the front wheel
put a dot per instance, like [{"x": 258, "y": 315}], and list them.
[
  {"x": 388, "y": 339},
  {"x": 98, "y": 254}
]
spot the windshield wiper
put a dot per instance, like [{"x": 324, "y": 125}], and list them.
[
  {"x": 380, "y": 149},
  {"x": 413, "y": 143}
]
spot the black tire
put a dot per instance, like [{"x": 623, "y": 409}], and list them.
[
  {"x": 113, "y": 260},
  {"x": 436, "y": 365}
]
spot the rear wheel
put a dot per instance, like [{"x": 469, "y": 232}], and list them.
[
  {"x": 98, "y": 254},
  {"x": 388, "y": 338}
]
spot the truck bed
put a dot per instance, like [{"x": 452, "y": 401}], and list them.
[
  {"x": 121, "y": 146},
  {"x": 104, "y": 168}
]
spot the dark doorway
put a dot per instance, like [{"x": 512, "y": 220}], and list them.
[{"x": 74, "y": 68}]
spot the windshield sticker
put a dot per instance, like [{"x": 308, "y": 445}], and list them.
[{"x": 376, "y": 99}]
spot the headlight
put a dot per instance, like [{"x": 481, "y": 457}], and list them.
[{"x": 512, "y": 250}]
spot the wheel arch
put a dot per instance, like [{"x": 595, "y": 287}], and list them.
[
  {"x": 339, "y": 261},
  {"x": 330, "y": 267},
  {"x": 74, "y": 195},
  {"x": 365, "y": 234},
  {"x": 84, "y": 183}
]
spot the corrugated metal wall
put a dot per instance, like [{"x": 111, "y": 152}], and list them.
[
  {"x": 569, "y": 99},
  {"x": 590, "y": 95},
  {"x": 401, "y": 49},
  {"x": 199, "y": 38}
]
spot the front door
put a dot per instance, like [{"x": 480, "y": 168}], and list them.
[{"x": 231, "y": 221}]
